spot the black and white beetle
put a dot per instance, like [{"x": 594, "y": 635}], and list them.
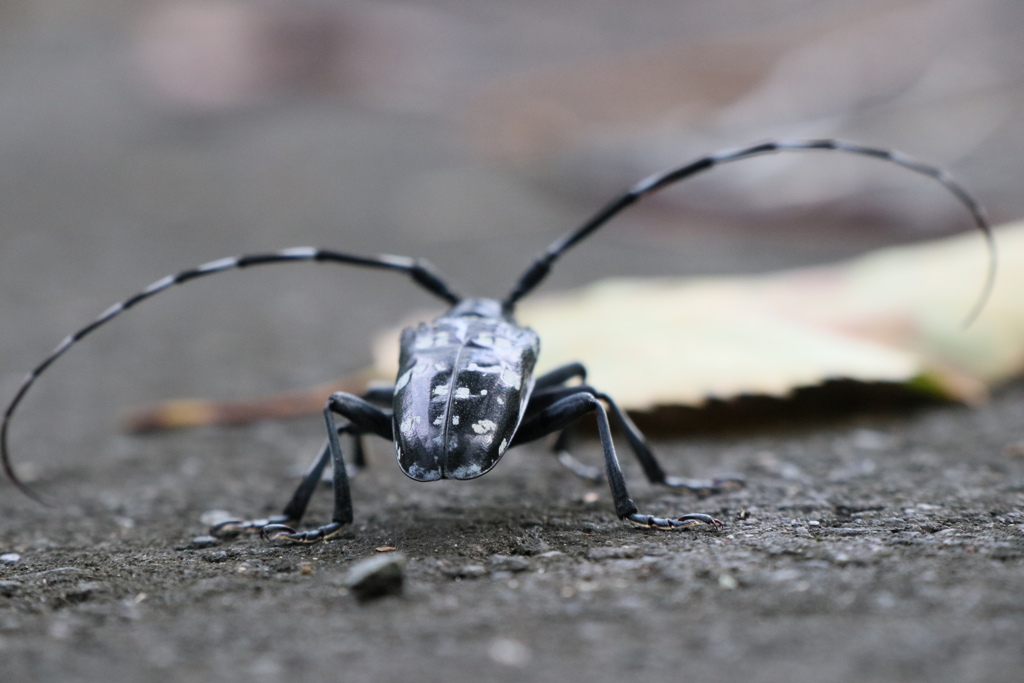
[{"x": 465, "y": 390}]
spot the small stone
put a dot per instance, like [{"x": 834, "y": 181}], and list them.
[
  {"x": 509, "y": 652},
  {"x": 506, "y": 563},
  {"x": 86, "y": 590},
  {"x": 377, "y": 576},
  {"x": 466, "y": 571},
  {"x": 531, "y": 546},
  {"x": 215, "y": 557},
  {"x": 872, "y": 440},
  {"x": 10, "y": 558},
  {"x": 204, "y": 541},
  {"x": 9, "y": 588},
  {"x": 619, "y": 553},
  {"x": 212, "y": 518}
]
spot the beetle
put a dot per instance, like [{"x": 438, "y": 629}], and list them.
[{"x": 466, "y": 390}]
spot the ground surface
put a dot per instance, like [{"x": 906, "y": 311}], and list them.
[{"x": 866, "y": 547}]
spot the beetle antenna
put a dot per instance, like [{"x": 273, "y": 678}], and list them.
[
  {"x": 419, "y": 270},
  {"x": 541, "y": 265}
]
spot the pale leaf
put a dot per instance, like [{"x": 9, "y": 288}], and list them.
[{"x": 891, "y": 316}]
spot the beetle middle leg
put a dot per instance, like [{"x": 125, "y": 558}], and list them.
[
  {"x": 652, "y": 468},
  {"x": 549, "y": 387},
  {"x": 554, "y": 379},
  {"x": 548, "y": 391},
  {"x": 565, "y": 408}
]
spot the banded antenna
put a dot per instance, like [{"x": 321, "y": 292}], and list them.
[
  {"x": 541, "y": 265},
  {"x": 421, "y": 272}
]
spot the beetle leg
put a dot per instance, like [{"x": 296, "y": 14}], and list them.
[
  {"x": 313, "y": 476},
  {"x": 295, "y": 508},
  {"x": 652, "y": 468},
  {"x": 379, "y": 395},
  {"x": 567, "y": 460},
  {"x": 567, "y": 409},
  {"x": 553, "y": 380},
  {"x": 363, "y": 418},
  {"x": 561, "y": 375},
  {"x": 367, "y": 418}
]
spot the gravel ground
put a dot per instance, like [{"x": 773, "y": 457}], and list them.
[{"x": 885, "y": 545}]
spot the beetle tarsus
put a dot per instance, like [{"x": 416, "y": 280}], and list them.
[
  {"x": 582, "y": 470},
  {"x": 236, "y": 527},
  {"x": 693, "y": 519},
  {"x": 283, "y": 532}
]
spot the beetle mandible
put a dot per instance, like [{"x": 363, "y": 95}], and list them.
[{"x": 466, "y": 390}]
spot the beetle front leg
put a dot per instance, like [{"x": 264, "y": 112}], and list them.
[
  {"x": 363, "y": 418},
  {"x": 569, "y": 408},
  {"x": 367, "y": 418},
  {"x": 297, "y": 504},
  {"x": 377, "y": 395},
  {"x": 295, "y": 508}
]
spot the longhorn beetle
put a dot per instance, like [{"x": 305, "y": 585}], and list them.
[{"x": 465, "y": 390}]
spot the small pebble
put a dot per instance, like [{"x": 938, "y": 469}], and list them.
[
  {"x": 9, "y": 588},
  {"x": 377, "y": 576},
  {"x": 509, "y": 652},
  {"x": 215, "y": 517},
  {"x": 215, "y": 556},
  {"x": 619, "y": 553},
  {"x": 506, "y": 563},
  {"x": 204, "y": 542},
  {"x": 10, "y": 558},
  {"x": 531, "y": 546},
  {"x": 86, "y": 590},
  {"x": 465, "y": 571}
]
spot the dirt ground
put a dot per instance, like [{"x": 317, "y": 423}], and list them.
[{"x": 871, "y": 545}]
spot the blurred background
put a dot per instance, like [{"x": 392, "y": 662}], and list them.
[{"x": 142, "y": 138}]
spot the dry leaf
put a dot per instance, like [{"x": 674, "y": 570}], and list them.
[{"x": 893, "y": 316}]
